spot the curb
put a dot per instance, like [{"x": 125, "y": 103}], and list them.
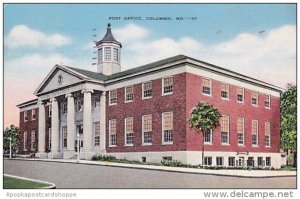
[
  {"x": 51, "y": 186},
  {"x": 167, "y": 169}
]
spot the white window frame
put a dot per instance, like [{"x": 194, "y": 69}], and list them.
[
  {"x": 233, "y": 161},
  {"x": 162, "y": 127},
  {"x": 49, "y": 138},
  {"x": 210, "y": 137},
  {"x": 237, "y": 98},
  {"x": 126, "y": 133},
  {"x": 241, "y": 133},
  {"x": 77, "y": 101},
  {"x": 33, "y": 111},
  {"x": 100, "y": 55},
  {"x": 109, "y": 98},
  {"x": 117, "y": 55},
  {"x": 25, "y": 141},
  {"x": 109, "y": 133},
  {"x": 95, "y": 104},
  {"x": 25, "y": 116},
  {"x": 257, "y": 99},
  {"x": 228, "y": 132},
  {"x": 228, "y": 93},
  {"x": 94, "y": 132},
  {"x": 257, "y": 134},
  {"x": 210, "y": 86},
  {"x": 64, "y": 108},
  {"x": 267, "y": 107},
  {"x": 143, "y": 131},
  {"x": 50, "y": 110},
  {"x": 268, "y": 134},
  {"x": 270, "y": 162},
  {"x": 64, "y": 132},
  {"x": 222, "y": 161},
  {"x": 163, "y": 86},
  {"x": 206, "y": 158},
  {"x": 143, "y": 95},
  {"x": 125, "y": 97},
  {"x": 110, "y": 58},
  {"x": 32, "y": 139}
]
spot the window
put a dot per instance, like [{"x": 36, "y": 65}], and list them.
[
  {"x": 32, "y": 140},
  {"x": 100, "y": 55},
  {"x": 225, "y": 129},
  {"x": 267, "y": 101},
  {"x": 112, "y": 132},
  {"x": 96, "y": 101},
  {"x": 240, "y": 95},
  {"x": 268, "y": 161},
  {"x": 241, "y": 161},
  {"x": 240, "y": 131},
  {"x": 254, "y": 98},
  {"x": 169, "y": 158},
  {"x": 116, "y": 55},
  {"x": 50, "y": 110},
  {"x": 206, "y": 86},
  {"x": 129, "y": 131},
  {"x": 231, "y": 161},
  {"x": 97, "y": 133},
  {"x": 207, "y": 161},
  {"x": 49, "y": 138},
  {"x": 147, "y": 90},
  {"x": 33, "y": 115},
  {"x": 64, "y": 108},
  {"x": 220, "y": 161},
  {"x": 128, "y": 94},
  {"x": 254, "y": 130},
  {"x": 267, "y": 134},
  {"x": 79, "y": 106},
  {"x": 113, "y": 97},
  {"x": 167, "y": 85},
  {"x": 225, "y": 91},
  {"x": 208, "y": 137},
  {"x": 167, "y": 126},
  {"x": 147, "y": 129},
  {"x": 25, "y": 116},
  {"x": 107, "y": 54},
  {"x": 25, "y": 141},
  {"x": 259, "y": 161},
  {"x": 64, "y": 134}
]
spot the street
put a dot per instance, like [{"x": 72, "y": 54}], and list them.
[{"x": 70, "y": 175}]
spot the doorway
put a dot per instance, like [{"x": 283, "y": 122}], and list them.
[{"x": 79, "y": 132}]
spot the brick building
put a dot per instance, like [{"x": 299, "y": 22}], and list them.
[{"x": 142, "y": 113}]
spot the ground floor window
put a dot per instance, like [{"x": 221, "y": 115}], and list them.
[
  {"x": 241, "y": 162},
  {"x": 268, "y": 161},
  {"x": 259, "y": 161},
  {"x": 64, "y": 133},
  {"x": 49, "y": 138},
  {"x": 207, "y": 161},
  {"x": 32, "y": 140},
  {"x": 231, "y": 161},
  {"x": 25, "y": 141},
  {"x": 167, "y": 158},
  {"x": 97, "y": 133},
  {"x": 219, "y": 161},
  {"x": 112, "y": 132}
]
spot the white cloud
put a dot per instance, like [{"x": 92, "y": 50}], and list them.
[
  {"x": 130, "y": 32},
  {"x": 22, "y": 36}
]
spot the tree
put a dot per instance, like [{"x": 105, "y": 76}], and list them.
[
  {"x": 11, "y": 132},
  {"x": 288, "y": 117},
  {"x": 204, "y": 117}
]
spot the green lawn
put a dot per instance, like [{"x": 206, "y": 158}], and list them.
[{"x": 14, "y": 183}]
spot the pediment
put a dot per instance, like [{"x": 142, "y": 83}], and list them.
[{"x": 59, "y": 77}]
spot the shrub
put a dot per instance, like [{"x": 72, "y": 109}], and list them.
[{"x": 172, "y": 163}]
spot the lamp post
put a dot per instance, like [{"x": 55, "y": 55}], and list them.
[
  {"x": 78, "y": 147},
  {"x": 10, "y": 147}
]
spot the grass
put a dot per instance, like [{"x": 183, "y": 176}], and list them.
[{"x": 15, "y": 183}]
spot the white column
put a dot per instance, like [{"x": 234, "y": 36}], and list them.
[
  {"x": 70, "y": 123},
  {"x": 87, "y": 122},
  {"x": 54, "y": 128},
  {"x": 41, "y": 133},
  {"x": 103, "y": 122}
]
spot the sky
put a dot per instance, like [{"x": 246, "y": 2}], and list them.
[{"x": 258, "y": 40}]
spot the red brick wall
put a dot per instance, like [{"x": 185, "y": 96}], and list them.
[
  {"x": 28, "y": 126},
  {"x": 234, "y": 110},
  {"x": 155, "y": 106}
]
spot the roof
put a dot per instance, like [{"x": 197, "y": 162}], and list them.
[
  {"x": 90, "y": 74},
  {"x": 28, "y": 103},
  {"x": 108, "y": 38}
]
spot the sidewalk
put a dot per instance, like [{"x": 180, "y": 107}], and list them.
[{"x": 232, "y": 173}]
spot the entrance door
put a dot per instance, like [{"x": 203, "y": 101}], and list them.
[{"x": 79, "y": 132}]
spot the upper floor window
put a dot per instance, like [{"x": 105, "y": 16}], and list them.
[
  {"x": 267, "y": 133},
  {"x": 225, "y": 129},
  {"x": 240, "y": 131},
  {"x": 147, "y": 129},
  {"x": 113, "y": 97},
  {"x": 254, "y": 98},
  {"x": 97, "y": 133},
  {"x": 147, "y": 90},
  {"x": 96, "y": 101},
  {"x": 167, "y": 85},
  {"x": 79, "y": 106},
  {"x": 50, "y": 110},
  {"x": 116, "y": 55},
  {"x": 240, "y": 95},
  {"x": 128, "y": 93},
  {"x": 100, "y": 55},
  {"x": 167, "y": 124},
  {"x": 25, "y": 116},
  {"x": 112, "y": 132},
  {"x": 64, "y": 108},
  {"x": 208, "y": 137},
  {"x": 206, "y": 86},
  {"x": 33, "y": 115},
  {"x": 267, "y": 101},
  {"x": 254, "y": 132},
  {"x": 107, "y": 53},
  {"x": 225, "y": 91},
  {"x": 129, "y": 131}
]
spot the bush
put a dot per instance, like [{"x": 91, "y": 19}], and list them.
[
  {"x": 103, "y": 158},
  {"x": 172, "y": 163}
]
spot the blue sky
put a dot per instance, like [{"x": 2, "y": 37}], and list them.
[{"x": 37, "y": 36}]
